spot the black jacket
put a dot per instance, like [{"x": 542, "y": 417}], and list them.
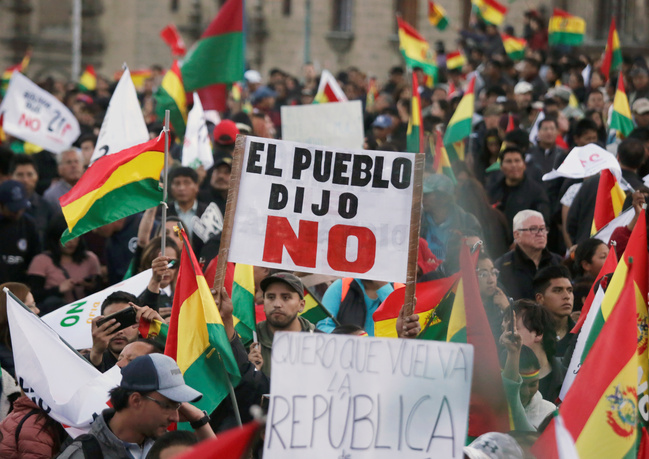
[
  {"x": 512, "y": 199},
  {"x": 517, "y": 271}
]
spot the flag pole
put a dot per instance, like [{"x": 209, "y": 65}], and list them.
[
  {"x": 413, "y": 244},
  {"x": 165, "y": 174}
]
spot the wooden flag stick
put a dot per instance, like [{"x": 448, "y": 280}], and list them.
[
  {"x": 228, "y": 218},
  {"x": 413, "y": 245}
]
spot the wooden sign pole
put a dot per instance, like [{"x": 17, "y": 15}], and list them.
[
  {"x": 228, "y": 218},
  {"x": 413, "y": 245}
]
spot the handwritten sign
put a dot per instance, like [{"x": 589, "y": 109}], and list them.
[
  {"x": 337, "y": 124},
  {"x": 34, "y": 115},
  {"x": 338, "y": 396},
  {"x": 322, "y": 210}
]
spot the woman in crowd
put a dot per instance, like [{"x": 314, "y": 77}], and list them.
[{"x": 64, "y": 273}]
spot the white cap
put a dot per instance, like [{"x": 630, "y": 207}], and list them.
[
  {"x": 252, "y": 76},
  {"x": 522, "y": 87}
]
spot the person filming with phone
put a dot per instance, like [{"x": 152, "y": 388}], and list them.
[{"x": 116, "y": 327}]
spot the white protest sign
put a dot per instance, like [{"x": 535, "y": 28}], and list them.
[
  {"x": 34, "y": 115},
  {"x": 61, "y": 382},
  {"x": 315, "y": 209},
  {"x": 72, "y": 321},
  {"x": 585, "y": 161},
  {"x": 337, "y": 124},
  {"x": 197, "y": 148},
  {"x": 336, "y": 396},
  {"x": 123, "y": 125}
]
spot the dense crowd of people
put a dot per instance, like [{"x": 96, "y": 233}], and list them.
[{"x": 537, "y": 257}]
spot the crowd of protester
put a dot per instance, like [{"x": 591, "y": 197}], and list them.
[{"x": 537, "y": 257}]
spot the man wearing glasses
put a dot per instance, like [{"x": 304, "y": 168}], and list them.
[
  {"x": 519, "y": 266},
  {"x": 151, "y": 396}
]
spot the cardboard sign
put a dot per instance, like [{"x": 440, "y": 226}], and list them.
[
  {"x": 72, "y": 321},
  {"x": 337, "y": 124},
  {"x": 316, "y": 209},
  {"x": 34, "y": 115},
  {"x": 336, "y": 396}
]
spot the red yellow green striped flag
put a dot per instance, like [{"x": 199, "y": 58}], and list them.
[
  {"x": 455, "y": 60},
  {"x": 329, "y": 90},
  {"x": 314, "y": 311},
  {"x": 459, "y": 127},
  {"x": 441, "y": 163},
  {"x": 20, "y": 67},
  {"x": 437, "y": 15},
  {"x": 372, "y": 93},
  {"x": 621, "y": 118},
  {"x": 88, "y": 79},
  {"x": 138, "y": 77},
  {"x": 565, "y": 29},
  {"x": 415, "y": 132},
  {"x": 416, "y": 51},
  {"x": 115, "y": 186},
  {"x": 490, "y": 11},
  {"x": 431, "y": 297},
  {"x": 196, "y": 338},
  {"x": 612, "y": 58},
  {"x": 609, "y": 201},
  {"x": 514, "y": 47},
  {"x": 171, "y": 96},
  {"x": 219, "y": 55},
  {"x": 600, "y": 409}
]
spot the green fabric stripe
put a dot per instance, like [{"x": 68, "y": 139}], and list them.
[
  {"x": 207, "y": 374},
  {"x": 245, "y": 333},
  {"x": 443, "y": 311},
  {"x": 442, "y": 24},
  {"x": 315, "y": 314},
  {"x": 621, "y": 123},
  {"x": 427, "y": 67},
  {"x": 412, "y": 140},
  {"x": 215, "y": 59},
  {"x": 516, "y": 55},
  {"x": 447, "y": 171},
  {"x": 452, "y": 154},
  {"x": 122, "y": 202},
  {"x": 594, "y": 333},
  {"x": 244, "y": 305},
  {"x": 459, "y": 337},
  {"x": 616, "y": 61},
  {"x": 163, "y": 101},
  {"x": 457, "y": 131},
  {"x": 565, "y": 38}
]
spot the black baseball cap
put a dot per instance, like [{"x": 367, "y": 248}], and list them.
[{"x": 290, "y": 279}]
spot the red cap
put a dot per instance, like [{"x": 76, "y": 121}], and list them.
[{"x": 225, "y": 133}]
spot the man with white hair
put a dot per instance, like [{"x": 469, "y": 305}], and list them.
[
  {"x": 519, "y": 266},
  {"x": 70, "y": 169}
]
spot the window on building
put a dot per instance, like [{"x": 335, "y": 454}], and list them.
[
  {"x": 630, "y": 19},
  {"x": 408, "y": 10},
  {"x": 286, "y": 7},
  {"x": 342, "y": 15}
]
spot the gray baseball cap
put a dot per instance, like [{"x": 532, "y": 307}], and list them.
[
  {"x": 287, "y": 278},
  {"x": 158, "y": 373}
]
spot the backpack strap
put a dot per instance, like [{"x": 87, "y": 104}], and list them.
[
  {"x": 90, "y": 446},
  {"x": 22, "y": 421}
]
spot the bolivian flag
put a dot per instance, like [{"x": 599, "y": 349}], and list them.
[
  {"x": 139, "y": 77},
  {"x": 455, "y": 60},
  {"x": 88, "y": 79},
  {"x": 437, "y": 15},
  {"x": 514, "y": 47},
  {"x": 441, "y": 163},
  {"x": 415, "y": 132},
  {"x": 196, "y": 339},
  {"x": 613, "y": 53},
  {"x": 314, "y": 311},
  {"x": 490, "y": 11},
  {"x": 20, "y": 67},
  {"x": 430, "y": 297},
  {"x": 621, "y": 118},
  {"x": 459, "y": 128},
  {"x": 488, "y": 409},
  {"x": 415, "y": 50},
  {"x": 171, "y": 96},
  {"x": 565, "y": 29},
  {"x": 609, "y": 202},
  {"x": 329, "y": 90},
  {"x": 600, "y": 410},
  {"x": 115, "y": 186}
]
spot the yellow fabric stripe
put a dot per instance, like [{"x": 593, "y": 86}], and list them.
[
  {"x": 196, "y": 312},
  {"x": 388, "y": 328},
  {"x": 617, "y": 197},
  {"x": 621, "y": 104},
  {"x": 573, "y": 24},
  {"x": 244, "y": 276},
  {"x": 146, "y": 165},
  {"x": 597, "y": 438},
  {"x": 414, "y": 48},
  {"x": 174, "y": 87},
  {"x": 457, "y": 320}
]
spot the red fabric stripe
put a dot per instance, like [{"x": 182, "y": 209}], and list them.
[
  {"x": 410, "y": 30},
  {"x": 609, "y": 266},
  {"x": 608, "y": 54},
  {"x": 330, "y": 94},
  {"x": 229, "y": 19},
  {"x": 497, "y": 6},
  {"x": 546, "y": 445},
  {"x": 103, "y": 168},
  {"x": 469, "y": 89},
  {"x": 604, "y": 211},
  {"x": 563, "y": 14}
]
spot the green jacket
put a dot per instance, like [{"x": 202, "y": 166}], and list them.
[{"x": 265, "y": 337}]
